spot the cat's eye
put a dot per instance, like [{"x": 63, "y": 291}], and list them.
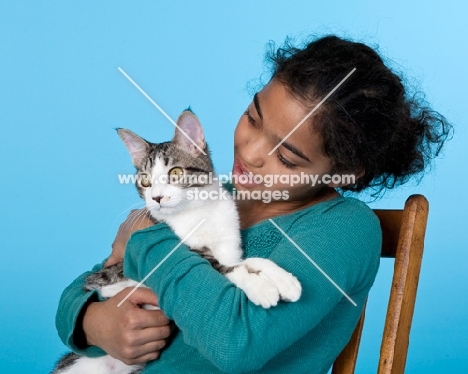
[
  {"x": 176, "y": 174},
  {"x": 145, "y": 180}
]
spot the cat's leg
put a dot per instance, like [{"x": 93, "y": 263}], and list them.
[
  {"x": 223, "y": 257},
  {"x": 288, "y": 286},
  {"x": 228, "y": 255},
  {"x": 264, "y": 282},
  {"x": 260, "y": 290}
]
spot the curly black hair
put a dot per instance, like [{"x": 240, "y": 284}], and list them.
[{"x": 369, "y": 123}]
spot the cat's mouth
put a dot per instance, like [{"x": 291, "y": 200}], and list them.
[{"x": 163, "y": 204}]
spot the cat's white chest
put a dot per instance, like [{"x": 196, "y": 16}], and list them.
[{"x": 196, "y": 228}]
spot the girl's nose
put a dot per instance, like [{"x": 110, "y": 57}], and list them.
[{"x": 255, "y": 152}]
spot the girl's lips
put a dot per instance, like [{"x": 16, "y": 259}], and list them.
[{"x": 242, "y": 176}]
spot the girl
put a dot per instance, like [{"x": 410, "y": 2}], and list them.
[{"x": 368, "y": 128}]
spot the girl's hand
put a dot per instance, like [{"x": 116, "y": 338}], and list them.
[
  {"x": 129, "y": 333},
  {"x": 136, "y": 220}
]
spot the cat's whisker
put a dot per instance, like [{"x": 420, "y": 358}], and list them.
[
  {"x": 140, "y": 216},
  {"x": 134, "y": 217},
  {"x": 137, "y": 205}
]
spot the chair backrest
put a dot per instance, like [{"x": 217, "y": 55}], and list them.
[{"x": 403, "y": 239}]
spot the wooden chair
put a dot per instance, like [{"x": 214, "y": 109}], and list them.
[{"x": 403, "y": 239}]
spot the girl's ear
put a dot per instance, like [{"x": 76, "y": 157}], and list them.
[
  {"x": 138, "y": 147},
  {"x": 193, "y": 141}
]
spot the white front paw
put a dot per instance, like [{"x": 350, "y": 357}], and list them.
[
  {"x": 259, "y": 289},
  {"x": 287, "y": 284}
]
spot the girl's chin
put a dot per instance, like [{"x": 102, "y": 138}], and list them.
[
  {"x": 246, "y": 184},
  {"x": 239, "y": 179}
]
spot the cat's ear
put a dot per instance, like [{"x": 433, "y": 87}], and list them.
[
  {"x": 138, "y": 147},
  {"x": 194, "y": 140}
]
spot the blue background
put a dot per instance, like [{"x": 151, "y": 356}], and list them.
[{"x": 61, "y": 95}]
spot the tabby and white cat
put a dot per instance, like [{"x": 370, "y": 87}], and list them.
[{"x": 167, "y": 174}]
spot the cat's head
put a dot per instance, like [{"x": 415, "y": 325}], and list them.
[{"x": 166, "y": 172}]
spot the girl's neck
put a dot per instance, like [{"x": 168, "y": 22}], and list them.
[{"x": 252, "y": 212}]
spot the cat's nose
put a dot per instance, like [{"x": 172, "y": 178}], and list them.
[{"x": 157, "y": 198}]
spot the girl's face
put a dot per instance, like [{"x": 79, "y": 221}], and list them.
[{"x": 267, "y": 121}]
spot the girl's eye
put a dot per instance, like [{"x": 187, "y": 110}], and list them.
[
  {"x": 285, "y": 162},
  {"x": 250, "y": 118},
  {"x": 145, "y": 180}
]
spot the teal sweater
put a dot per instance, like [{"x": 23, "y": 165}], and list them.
[{"x": 220, "y": 330}]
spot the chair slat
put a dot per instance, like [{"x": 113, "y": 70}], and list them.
[
  {"x": 403, "y": 234},
  {"x": 395, "y": 340}
]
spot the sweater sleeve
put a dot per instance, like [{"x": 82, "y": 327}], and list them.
[
  {"x": 68, "y": 319},
  {"x": 217, "y": 318}
]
